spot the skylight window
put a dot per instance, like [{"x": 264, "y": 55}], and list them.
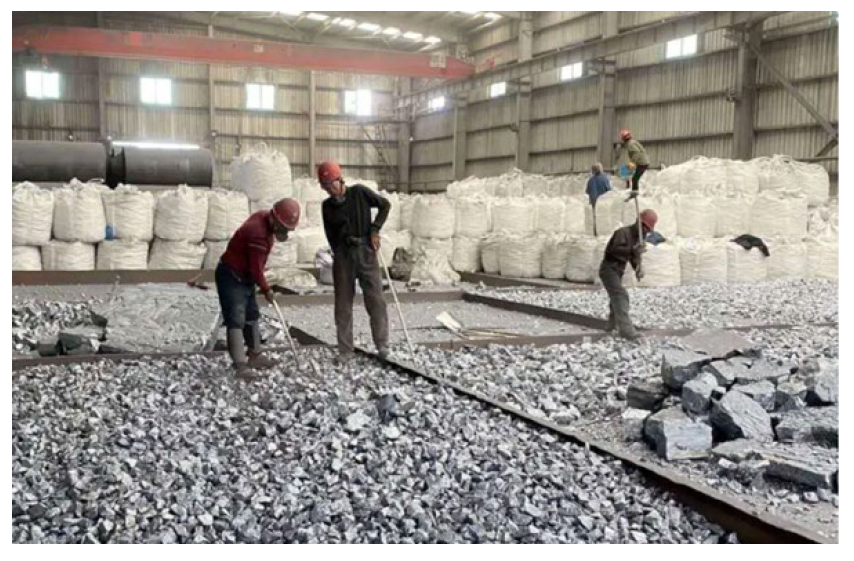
[
  {"x": 357, "y": 102},
  {"x": 155, "y": 91},
  {"x": 42, "y": 85},
  {"x": 371, "y": 27},
  {"x": 412, "y": 36},
  {"x": 261, "y": 96},
  {"x": 317, "y": 17},
  {"x": 497, "y": 90},
  {"x": 437, "y": 103},
  {"x": 572, "y": 71},
  {"x": 685, "y": 46}
]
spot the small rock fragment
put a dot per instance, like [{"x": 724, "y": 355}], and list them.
[
  {"x": 675, "y": 436},
  {"x": 738, "y": 416},
  {"x": 813, "y": 424},
  {"x": 679, "y": 366},
  {"x": 696, "y": 393},
  {"x": 762, "y": 393},
  {"x": 646, "y": 395}
]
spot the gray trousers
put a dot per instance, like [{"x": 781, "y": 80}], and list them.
[
  {"x": 351, "y": 263},
  {"x": 618, "y": 315}
]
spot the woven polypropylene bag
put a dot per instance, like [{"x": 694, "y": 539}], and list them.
[
  {"x": 390, "y": 241},
  {"x": 444, "y": 246},
  {"x": 661, "y": 265},
  {"x": 167, "y": 254},
  {"x": 68, "y": 256},
  {"x": 121, "y": 255},
  {"x": 514, "y": 215},
  {"x": 433, "y": 267},
  {"x": 129, "y": 213},
  {"x": 26, "y": 258},
  {"x": 263, "y": 174},
  {"x": 555, "y": 257},
  {"x": 702, "y": 261},
  {"x": 32, "y": 215},
  {"x": 608, "y": 214},
  {"x": 823, "y": 258},
  {"x": 779, "y": 214},
  {"x": 213, "y": 251},
  {"x": 732, "y": 216},
  {"x": 78, "y": 213},
  {"x": 181, "y": 215},
  {"x": 574, "y": 215},
  {"x": 227, "y": 210},
  {"x": 474, "y": 217},
  {"x": 284, "y": 254},
  {"x": 580, "y": 266},
  {"x": 745, "y": 266},
  {"x": 696, "y": 216},
  {"x": 489, "y": 254},
  {"x": 788, "y": 259},
  {"x": 521, "y": 257},
  {"x": 308, "y": 242},
  {"x": 551, "y": 215},
  {"x": 407, "y": 207},
  {"x": 433, "y": 217},
  {"x": 465, "y": 256}
]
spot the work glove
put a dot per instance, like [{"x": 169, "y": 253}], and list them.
[
  {"x": 639, "y": 248},
  {"x": 268, "y": 295},
  {"x": 639, "y": 274},
  {"x": 631, "y": 165},
  {"x": 375, "y": 242}
]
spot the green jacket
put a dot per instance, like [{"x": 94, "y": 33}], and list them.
[{"x": 637, "y": 154}]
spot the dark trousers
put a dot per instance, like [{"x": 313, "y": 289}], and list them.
[
  {"x": 618, "y": 314},
  {"x": 236, "y": 298},
  {"x": 360, "y": 262},
  {"x": 639, "y": 170}
]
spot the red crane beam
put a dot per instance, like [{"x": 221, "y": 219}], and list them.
[{"x": 86, "y": 41}]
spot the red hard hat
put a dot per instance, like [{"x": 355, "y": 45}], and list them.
[
  {"x": 625, "y": 134},
  {"x": 328, "y": 172},
  {"x": 649, "y": 218},
  {"x": 286, "y": 212}
]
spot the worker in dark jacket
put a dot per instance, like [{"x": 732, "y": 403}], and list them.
[
  {"x": 625, "y": 246},
  {"x": 638, "y": 159},
  {"x": 597, "y": 185},
  {"x": 355, "y": 241},
  {"x": 240, "y": 271}
]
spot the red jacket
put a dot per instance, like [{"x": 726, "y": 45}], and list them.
[{"x": 249, "y": 248}]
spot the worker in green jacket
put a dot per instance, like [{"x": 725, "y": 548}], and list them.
[{"x": 638, "y": 159}]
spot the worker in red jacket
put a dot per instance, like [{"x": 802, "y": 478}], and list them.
[
  {"x": 240, "y": 270},
  {"x": 355, "y": 240}
]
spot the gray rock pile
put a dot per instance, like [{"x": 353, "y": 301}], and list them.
[
  {"x": 177, "y": 451},
  {"x": 728, "y": 392},
  {"x": 36, "y": 323}
]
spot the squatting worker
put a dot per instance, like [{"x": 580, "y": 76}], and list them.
[
  {"x": 597, "y": 185},
  {"x": 638, "y": 160},
  {"x": 624, "y": 246},
  {"x": 240, "y": 270},
  {"x": 355, "y": 241}
]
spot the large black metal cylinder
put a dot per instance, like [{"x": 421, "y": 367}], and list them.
[
  {"x": 34, "y": 160},
  {"x": 151, "y": 166}
]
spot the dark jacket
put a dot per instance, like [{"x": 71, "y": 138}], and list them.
[
  {"x": 249, "y": 247},
  {"x": 622, "y": 248},
  {"x": 351, "y": 218},
  {"x": 597, "y": 185}
]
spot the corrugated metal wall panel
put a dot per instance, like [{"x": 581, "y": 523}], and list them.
[
  {"x": 564, "y": 133},
  {"x": 52, "y": 135},
  {"x": 122, "y": 89},
  {"x": 157, "y": 68},
  {"x": 777, "y": 107},
  {"x": 549, "y": 19},
  {"x": 432, "y": 152},
  {"x": 491, "y": 143},
  {"x": 569, "y": 161},
  {"x": 799, "y": 143},
  {"x": 501, "y": 32},
  {"x": 288, "y": 100},
  {"x": 244, "y": 74},
  {"x": 637, "y": 18},
  {"x": 488, "y": 168},
  {"x": 498, "y": 55},
  {"x": 675, "y": 79},
  {"x": 495, "y": 112},
  {"x": 355, "y": 82},
  {"x": 670, "y": 152},
  {"x": 431, "y": 179},
  {"x": 569, "y": 97},
  {"x": 433, "y": 125},
  {"x": 812, "y": 54},
  {"x": 570, "y": 32},
  {"x": 35, "y": 114},
  {"x": 138, "y": 123},
  {"x": 679, "y": 119},
  {"x": 794, "y": 18}
]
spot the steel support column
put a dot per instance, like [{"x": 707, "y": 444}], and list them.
[
  {"x": 745, "y": 93},
  {"x": 312, "y": 123},
  {"x": 460, "y": 126},
  {"x": 102, "y": 111},
  {"x": 212, "y": 115},
  {"x": 523, "y": 95},
  {"x": 607, "y": 96},
  {"x": 404, "y": 139}
]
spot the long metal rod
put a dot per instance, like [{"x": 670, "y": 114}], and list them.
[{"x": 397, "y": 304}]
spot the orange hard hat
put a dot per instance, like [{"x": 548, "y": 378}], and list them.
[
  {"x": 328, "y": 172},
  {"x": 286, "y": 212},
  {"x": 625, "y": 134},
  {"x": 649, "y": 218}
]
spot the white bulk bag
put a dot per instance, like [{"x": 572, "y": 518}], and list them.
[
  {"x": 521, "y": 257},
  {"x": 182, "y": 215},
  {"x": 745, "y": 266},
  {"x": 473, "y": 217},
  {"x": 742, "y": 178},
  {"x": 660, "y": 265},
  {"x": 489, "y": 254},
  {"x": 263, "y": 174},
  {"x": 267, "y": 204},
  {"x": 509, "y": 184},
  {"x": 732, "y": 216},
  {"x": 390, "y": 241},
  {"x": 213, "y": 251},
  {"x": 170, "y": 254},
  {"x": 68, "y": 256},
  {"x": 574, "y": 214},
  {"x": 788, "y": 259},
  {"x": 534, "y": 185},
  {"x": 551, "y": 215},
  {"x": 26, "y": 258},
  {"x": 580, "y": 266},
  {"x": 516, "y": 215},
  {"x": 432, "y": 267},
  {"x": 702, "y": 261},
  {"x": 290, "y": 277},
  {"x": 555, "y": 257},
  {"x": 308, "y": 242},
  {"x": 119, "y": 255},
  {"x": 779, "y": 214},
  {"x": 392, "y": 222},
  {"x": 407, "y": 207},
  {"x": 32, "y": 215},
  {"x": 664, "y": 207},
  {"x": 284, "y": 254},
  {"x": 465, "y": 256},
  {"x": 823, "y": 258},
  {"x": 433, "y": 217},
  {"x": 227, "y": 210},
  {"x": 696, "y": 216},
  {"x": 308, "y": 189},
  {"x": 313, "y": 214},
  {"x": 436, "y": 245},
  {"x": 78, "y": 213},
  {"x": 129, "y": 213},
  {"x": 609, "y": 213},
  {"x": 814, "y": 182},
  {"x": 324, "y": 260}
]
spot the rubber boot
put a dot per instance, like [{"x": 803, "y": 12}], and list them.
[
  {"x": 252, "y": 334},
  {"x": 237, "y": 351}
]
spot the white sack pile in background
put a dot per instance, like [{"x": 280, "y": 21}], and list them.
[
  {"x": 433, "y": 217},
  {"x": 26, "y": 258},
  {"x": 263, "y": 173},
  {"x": 284, "y": 254},
  {"x": 514, "y": 215},
  {"x": 702, "y": 261},
  {"x": 551, "y": 215},
  {"x": 32, "y": 215},
  {"x": 432, "y": 267},
  {"x": 521, "y": 257},
  {"x": 213, "y": 251},
  {"x": 68, "y": 256},
  {"x": 663, "y": 205},
  {"x": 78, "y": 213},
  {"x": 118, "y": 255},
  {"x": 473, "y": 217},
  {"x": 390, "y": 241},
  {"x": 696, "y": 216},
  {"x": 168, "y": 254},
  {"x": 660, "y": 265},
  {"x": 732, "y": 216},
  {"x": 745, "y": 265},
  {"x": 788, "y": 259},
  {"x": 823, "y": 256},
  {"x": 465, "y": 255},
  {"x": 129, "y": 213},
  {"x": 439, "y": 246},
  {"x": 581, "y": 265},
  {"x": 407, "y": 208},
  {"x": 555, "y": 257},
  {"x": 227, "y": 210},
  {"x": 489, "y": 254},
  {"x": 609, "y": 214},
  {"x": 290, "y": 277},
  {"x": 575, "y": 215},
  {"x": 779, "y": 214},
  {"x": 181, "y": 215},
  {"x": 308, "y": 242}
]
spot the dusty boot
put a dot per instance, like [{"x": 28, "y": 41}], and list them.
[
  {"x": 343, "y": 359},
  {"x": 237, "y": 351},
  {"x": 252, "y": 334},
  {"x": 383, "y": 352}
]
